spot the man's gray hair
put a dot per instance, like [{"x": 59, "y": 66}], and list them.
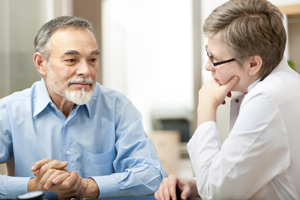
[{"x": 41, "y": 41}]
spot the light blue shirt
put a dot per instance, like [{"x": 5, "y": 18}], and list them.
[{"x": 103, "y": 139}]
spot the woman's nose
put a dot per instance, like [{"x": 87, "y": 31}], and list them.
[{"x": 209, "y": 66}]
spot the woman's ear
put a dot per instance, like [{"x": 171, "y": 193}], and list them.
[
  {"x": 40, "y": 63},
  {"x": 255, "y": 65}
]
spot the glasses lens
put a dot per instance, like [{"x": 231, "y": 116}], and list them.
[{"x": 206, "y": 49}]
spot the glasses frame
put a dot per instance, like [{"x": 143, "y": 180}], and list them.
[{"x": 218, "y": 63}]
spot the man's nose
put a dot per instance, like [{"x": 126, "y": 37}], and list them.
[{"x": 83, "y": 69}]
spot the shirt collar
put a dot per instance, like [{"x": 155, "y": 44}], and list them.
[
  {"x": 252, "y": 85},
  {"x": 90, "y": 106},
  {"x": 43, "y": 99}
]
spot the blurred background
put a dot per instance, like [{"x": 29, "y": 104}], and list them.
[{"x": 152, "y": 51}]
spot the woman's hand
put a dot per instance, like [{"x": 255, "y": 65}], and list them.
[
  {"x": 168, "y": 187},
  {"x": 211, "y": 95}
]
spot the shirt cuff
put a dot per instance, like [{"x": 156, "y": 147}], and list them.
[
  {"x": 16, "y": 186},
  {"x": 206, "y": 128},
  {"x": 108, "y": 186},
  {"x": 204, "y": 134}
]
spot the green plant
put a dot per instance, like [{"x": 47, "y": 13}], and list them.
[{"x": 291, "y": 64}]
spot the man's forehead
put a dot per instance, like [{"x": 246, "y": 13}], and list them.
[
  {"x": 72, "y": 35},
  {"x": 73, "y": 41}
]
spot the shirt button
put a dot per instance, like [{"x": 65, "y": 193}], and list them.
[
  {"x": 68, "y": 152},
  {"x": 66, "y": 123},
  {"x": 52, "y": 105},
  {"x": 237, "y": 100}
]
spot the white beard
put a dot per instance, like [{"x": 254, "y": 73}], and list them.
[{"x": 77, "y": 97}]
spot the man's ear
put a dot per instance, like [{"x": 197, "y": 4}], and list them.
[
  {"x": 40, "y": 63},
  {"x": 255, "y": 64}
]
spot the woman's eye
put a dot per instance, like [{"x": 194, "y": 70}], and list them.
[{"x": 214, "y": 59}]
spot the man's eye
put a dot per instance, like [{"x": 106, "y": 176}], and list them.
[
  {"x": 93, "y": 60},
  {"x": 71, "y": 60}
]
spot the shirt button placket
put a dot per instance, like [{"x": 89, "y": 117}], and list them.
[{"x": 66, "y": 144}]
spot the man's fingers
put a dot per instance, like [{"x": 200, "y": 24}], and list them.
[
  {"x": 70, "y": 181},
  {"x": 78, "y": 187},
  {"x": 46, "y": 179},
  {"x": 39, "y": 163},
  {"x": 60, "y": 178},
  {"x": 73, "y": 185},
  {"x": 82, "y": 191},
  {"x": 57, "y": 177},
  {"x": 35, "y": 172},
  {"x": 40, "y": 167},
  {"x": 55, "y": 164}
]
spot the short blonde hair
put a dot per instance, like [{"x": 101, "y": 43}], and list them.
[{"x": 248, "y": 28}]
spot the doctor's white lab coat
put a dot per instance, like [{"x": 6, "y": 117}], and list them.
[{"x": 260, "y": 159}]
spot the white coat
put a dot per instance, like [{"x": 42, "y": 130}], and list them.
[{"x": 260, "y": 159}]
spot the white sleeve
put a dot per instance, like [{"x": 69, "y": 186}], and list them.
[{"x": 256, "y": 150}]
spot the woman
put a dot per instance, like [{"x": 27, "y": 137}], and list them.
[{"x": 261, "y": 157}]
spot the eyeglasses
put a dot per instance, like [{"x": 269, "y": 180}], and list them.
[{"x": 217, "y": 63}]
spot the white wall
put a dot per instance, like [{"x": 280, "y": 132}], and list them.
[
  {"x": 284, "y": 2},
  {"x": 20, "y": 20},
  {"x": 147, "y": 54}
]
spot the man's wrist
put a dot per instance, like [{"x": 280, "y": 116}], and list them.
[
  {"x": 92, "y": 190},
  {"x": 32, "y": 185}
]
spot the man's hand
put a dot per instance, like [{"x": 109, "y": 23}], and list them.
[
  {"x": 168, "y": 187},
  {"x": 40, "y": 168},
  {"x": 71, "y": 187},
  {"x": 51, "y": 175}
]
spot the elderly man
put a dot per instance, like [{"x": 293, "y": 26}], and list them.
[{"x": 67, "y": 133}]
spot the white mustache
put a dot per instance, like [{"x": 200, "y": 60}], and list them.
[{"x": 81, "y": 80}]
